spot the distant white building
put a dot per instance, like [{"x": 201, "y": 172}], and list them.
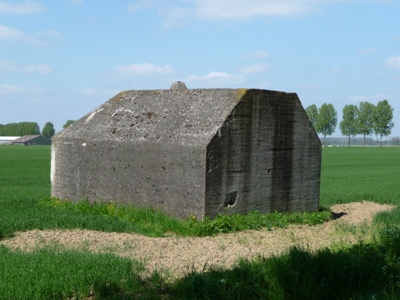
[{"x": 8, "y": 139}]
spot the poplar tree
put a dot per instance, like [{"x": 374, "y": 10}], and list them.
[
  {"x": 383, "y": 115},
  {"x": 327, "y": 120},
  {"x": 365, "y": 119},
  {"x": 348, "y": 126}
]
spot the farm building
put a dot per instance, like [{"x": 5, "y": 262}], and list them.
[
  {"x": 8, "y": 139},
  {"x": 200, "y": 152},
  {"x": 32, "y": 140}
]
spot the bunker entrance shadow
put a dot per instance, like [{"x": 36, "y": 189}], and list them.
[{"x": 230, "y": 199}]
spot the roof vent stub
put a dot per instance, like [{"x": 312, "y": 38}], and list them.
[{"x": 178, "y": 86}]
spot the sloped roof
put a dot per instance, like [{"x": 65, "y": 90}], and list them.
[
  {"x": 174, "y": 115},
  {"x": 25, "y": 138}
]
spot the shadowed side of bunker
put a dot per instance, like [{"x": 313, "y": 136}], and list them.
[{"x": 199, "y": 152}]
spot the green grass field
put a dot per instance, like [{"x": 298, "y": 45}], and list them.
[
  {"x": 356, "y": 174},
  {"x": 364, "y": 271}
]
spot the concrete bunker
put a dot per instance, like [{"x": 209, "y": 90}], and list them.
[{"x": 199, "y": 152}]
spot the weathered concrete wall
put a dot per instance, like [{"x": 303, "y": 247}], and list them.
[
  {"x": 142, "y": 147},
  {"x": 159, "y": 175},
  {"x": 199, "y": 152},
  {"x": 266, "y": 157}
]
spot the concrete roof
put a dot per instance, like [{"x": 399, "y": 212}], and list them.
[{"x": 174, "y": 115}]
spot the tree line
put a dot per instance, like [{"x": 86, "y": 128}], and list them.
[
  {"x": 29, "y": 128},
  {"x": 364, "y": 119}
]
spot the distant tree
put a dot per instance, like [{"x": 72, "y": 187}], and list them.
[
  {"x": 20, "y": 129},
  {"x": 48, "y": 130},
  {"x": 327, "y": 120},
  {"x": 31, "y": 128},
  {"x": 383, "y": 115},
  {"x": 348, "y": 126},
  {"x": 395, "y": 141},
  {"x": 69, "y": 122},
  {"x": 365, "y": 119},
  {"x": 312, "y": 113}
]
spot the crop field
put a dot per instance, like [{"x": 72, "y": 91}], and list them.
[
  {"x": 361, "y": 271},
  {"x": 356, "y": 174}
]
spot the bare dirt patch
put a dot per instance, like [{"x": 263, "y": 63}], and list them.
[{"x": 179, "y": 254}]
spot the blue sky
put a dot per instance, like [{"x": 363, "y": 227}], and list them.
[{"x": 61, "y": 59}]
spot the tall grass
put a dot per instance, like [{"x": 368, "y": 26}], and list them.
[
  {"x": 363, "y": 271},
  {"x": 51, "y": 273}
]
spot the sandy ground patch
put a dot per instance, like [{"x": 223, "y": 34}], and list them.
[{"x": 179, "y": 255}]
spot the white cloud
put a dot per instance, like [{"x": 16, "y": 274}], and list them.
[
  {"x": 369, "y": 51},
  {"x": 9, "y": 33},
  {"x": 42, "y": 69},
  {"x": 185, "y": 10},
  {"x": 143, "y": 69},
  {"x": 25, "y": 7},
  {"x": 256, "y": 55},
  {"x": 216, "y": 79},
  {"x": 50, "y": 33},
  {"x": 99, "y": 93},
  {"x": 393, "y": 62},
  {"x": 177, "y": 12},
  {"x": 264, "y": 85},
  {"x": 75, "y": 2},
  {"x": 369, "y": 98},
  {"x": 123, "y": 72},
  {"x": 239, "y": 9},
  {"x": 254, "y": 69},
  {"x": 395, "y": 38},
  {"x": 141, "y": 4},
  {"x": 359, "y": 98},
  {"x": 88, "y": 91},
  {"x": 133, "y": 7},
  {"x": 336, "y": 70},
  {"x": 8, "y": 66},
  {"x": 8, "y": 89},
  {"x": 211, "y": 75},
  {"x": 309, "y": 86},
  {"x": 12, "y": 67}
]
